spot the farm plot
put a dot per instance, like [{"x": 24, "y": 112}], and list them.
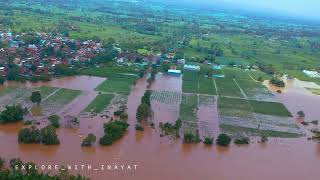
[
  {"x": 165, "y": 106},
  {"x": 255, "y": 90},
  {"x": 240, "y": 116},
  {"x": 270, "y": 108},
  {"x": 208, "y": 116},
  {"x": 10, "y": 96},
  {"x": 45, "y": 91},
  {"x": 121, "y": 85},
  {"x": 58, "y": 100},
  {"x": 236, "y": 73},
  {"x": 193, "y": 82},
  {"x": 188, "y": 112},
  {"x": 227, "y": 87},
  {"x": 99, "y": 103}
]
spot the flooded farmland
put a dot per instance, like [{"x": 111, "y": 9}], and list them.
[{"x": 161, "y": 158}]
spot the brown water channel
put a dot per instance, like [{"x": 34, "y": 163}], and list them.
[{"x": 159, "y": 158}]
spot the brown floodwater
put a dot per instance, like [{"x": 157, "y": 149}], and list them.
[
  {"x": 296, "y": 97},
  {"x": 159, "y": 158}
]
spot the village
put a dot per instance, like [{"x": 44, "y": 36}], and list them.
[{"x": 38, "y": 53}]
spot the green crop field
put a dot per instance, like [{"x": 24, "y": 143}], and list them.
[
  {"x": 227, "y": 87},
  {"x": 270, "y": 108},
  {"x": 188, "y": 110},
  {"x": 234, "y": 107},
  {"x": 45, "y": 90},
  {"x": 99, "y": 103},
  {"x": 63, "y": 96},
  {"x": 195, "y": 82}
]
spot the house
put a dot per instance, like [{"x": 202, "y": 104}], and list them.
[
  {"x": 174, "y": 72},
  {"x": 191, "y": 67},
  {"x": 181, "y": 61}
]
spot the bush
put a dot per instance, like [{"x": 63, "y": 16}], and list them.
[
  {"x": 208, "y": 140},
  {"x": 315, "y": 122},
  {"x": 54, "y": 120},
  {"x": 28, "y": 122},
  {"x": 29, "y": 135},
  {"x": 89, "y": 140},
  {"x": 223, "y": 139},
  {"x": 1, "y": 163},
  {"x": 12, "y": 114},
  {"x": 301, "y": 114},
  {"x": 113, "y": 131},
  {"x": 277, "y": 82},
  {"x": 264, "y": 139},
  {"x": 35, "y": 97},
  {"x": 124, "y": 116},
  {"x": 143, "y": 112},
  {"x": 139, "y": 127},
  {"x": 107, "y": 139},
  {"x": 118, "y": 113},
  {"x": 243, "y": 140},
  {"x": 190, "y": 137},
  {"x": 48, "y": 136}
]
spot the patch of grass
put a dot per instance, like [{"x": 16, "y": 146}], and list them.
[
  {"x": 6, "y": 90},
  {"x": 63, "y": 96},
  {"x": 236, "y": 73},
  {"x": 252, "y": 88},
  {"x": 227, "y": 87},
  {"x": 99, "y": 103},
  {"x": 195, "y": 82},
  {"x": 270, "y": 108},
  {"x": 45, "y": 90},
  {"x": 115, "y": 86},
  {"x": 254, "y": 132},
  {"x": 188, "y": 110},
  {"x": 234, "y": 107}
]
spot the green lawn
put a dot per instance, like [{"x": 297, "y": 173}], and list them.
[{"x": 99, "y": 103}]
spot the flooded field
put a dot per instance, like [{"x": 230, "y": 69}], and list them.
[{"x": 160, "y": 158}]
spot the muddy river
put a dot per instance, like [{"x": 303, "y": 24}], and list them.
[{"x": 159, "y": 158}]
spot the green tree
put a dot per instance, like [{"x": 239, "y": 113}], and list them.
[
  {"x": 29, "y": 135},
  {"x": 54, "y": 120},
  {"x": 36, "y": 97},
  {"x": 89, "y": 140},
  {"x": 223, "y": 139},
  {"x": 143, "y": 112},
  {"x": 12, "y": 114},
  {"x": 113, "y": 131},
  {"x": 48, "y": 136}
]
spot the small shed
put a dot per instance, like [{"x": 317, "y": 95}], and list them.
[{"x": 174, "y": 72}]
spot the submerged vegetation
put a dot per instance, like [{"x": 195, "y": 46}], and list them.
[
  {"x": 113, "y": 131},
  {"x": 46, "y": 136}
]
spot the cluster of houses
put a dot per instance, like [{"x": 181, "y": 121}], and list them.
[{"x": 38, "y": 52}]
